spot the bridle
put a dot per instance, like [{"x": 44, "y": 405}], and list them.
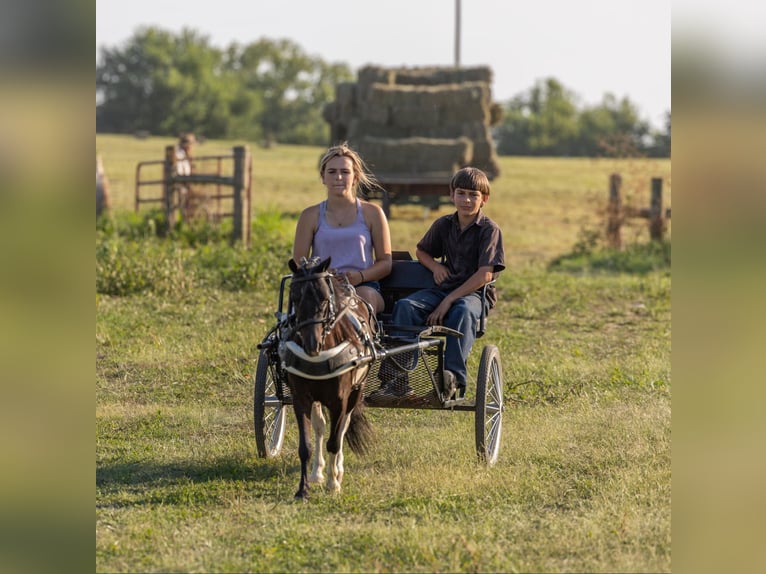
[{"x": 331, "y": 316}]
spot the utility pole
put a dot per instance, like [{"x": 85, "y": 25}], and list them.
[{"x": 457, "y": 33}]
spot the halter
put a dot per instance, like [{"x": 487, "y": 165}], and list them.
[{"x": 328, "y": 323}]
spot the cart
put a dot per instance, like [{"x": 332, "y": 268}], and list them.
[{"x": 413, "y": 364}]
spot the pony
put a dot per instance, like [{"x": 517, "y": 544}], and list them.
[{"x": 326, "y": 349}]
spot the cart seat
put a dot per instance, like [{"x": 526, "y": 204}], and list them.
[{"x": 407, "y": 276}]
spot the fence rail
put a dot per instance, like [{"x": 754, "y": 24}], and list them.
[
  {"x": 617, "y": 213},
  {"x": 179, "y": 197}
]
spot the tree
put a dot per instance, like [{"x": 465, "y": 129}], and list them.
[
  {"x": 268, "y": 90},
  {"x": 553, "y": 119},
  {"x": 612, "y": 128},
  {"x": 661, "y": 140},
  {"x": 292, "y": 86},
  {"x": 546, "y": 121},
  {"x": 542, "y": 122},
  {"x": 163, "y": 84}
]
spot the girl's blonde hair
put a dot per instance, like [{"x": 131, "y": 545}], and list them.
[{"x": 364, "y": 178}]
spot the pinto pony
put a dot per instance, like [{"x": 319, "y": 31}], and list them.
[{"x": 327, "y": 351}]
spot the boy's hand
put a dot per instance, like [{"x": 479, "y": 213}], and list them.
[
  {"x": 437, "y": 315},
  {"x": 440, "y": 274}
]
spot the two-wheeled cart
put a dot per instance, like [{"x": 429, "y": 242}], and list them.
[{"x": 406, "y": 372}]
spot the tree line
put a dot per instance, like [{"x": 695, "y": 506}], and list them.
[
  {"x": 272, "y": 91},
  {"x": 546, "y": 121}
]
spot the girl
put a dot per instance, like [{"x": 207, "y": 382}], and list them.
[{"x": 354, "y": 233}]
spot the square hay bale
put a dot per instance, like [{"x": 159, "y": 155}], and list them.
[
  {"x": 415, "y": 154},
  {"x": 424, "y": 106},
  {"x": 432, "y": 76},
  {"x": 370, "y": 75}
]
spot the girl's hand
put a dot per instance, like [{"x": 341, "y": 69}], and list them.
[{"x": 353, "y": 277}]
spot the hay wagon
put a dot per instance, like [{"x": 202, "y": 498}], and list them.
[
  {"x": 416, "y": 126},
  {"x": 430, "y": 190},
  {"x": 425, "y": 390}
]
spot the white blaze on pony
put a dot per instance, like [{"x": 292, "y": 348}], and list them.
[{"x": 327, "y": 353}]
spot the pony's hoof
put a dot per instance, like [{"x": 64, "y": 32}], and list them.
[
  {"x": 333, "y": 488},
  {"x": 316, "y": 478}
]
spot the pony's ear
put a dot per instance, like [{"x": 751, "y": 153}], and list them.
[
  {"x": 324, "y": 265},
  {"x": 292, "y": 265}
]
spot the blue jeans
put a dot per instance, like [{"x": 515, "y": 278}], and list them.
[{"x": 463, "y": 316}]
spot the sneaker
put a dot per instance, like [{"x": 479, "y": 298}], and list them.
[
  {"x": 400, "y": 385},
  {"x": 448, "y": 384}
]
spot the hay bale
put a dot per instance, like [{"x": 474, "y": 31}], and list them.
[
  {"x": 330, "y": 112},
  {"x": 496, "y": 114},
  {"x": 370, "y": 75},
  {"x": 430, "y": 76},
  {"x": 418, "y": 120},
  {"x": 414, "y": 155},
  {"x": 359, "y": 128},
  {"x": 426, "y": 106},
  {"x": 345, "y": 101}
]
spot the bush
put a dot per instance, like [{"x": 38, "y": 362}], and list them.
[
  {"x": 131, "y": 257},
  {"x": 636, "y": 258},
  {"x": 127, "y": 266}
]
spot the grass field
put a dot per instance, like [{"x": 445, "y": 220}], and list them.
[{"x": 583, "y": 483}]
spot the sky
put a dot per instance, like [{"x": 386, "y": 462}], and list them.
[{"x": 592, "y": 47}]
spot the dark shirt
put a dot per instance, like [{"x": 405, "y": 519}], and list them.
[{"x": 478, "y": 245}]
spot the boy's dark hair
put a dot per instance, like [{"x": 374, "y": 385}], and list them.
[{"x": 470, "y": 178}]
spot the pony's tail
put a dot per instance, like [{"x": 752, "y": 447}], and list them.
[{"x": 360, "y": 435}]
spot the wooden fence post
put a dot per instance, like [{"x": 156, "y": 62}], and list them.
[
  {"x": 656, "y": 221},
  {"x": 614, "y": 212},
  {"x": 169, "y": 191},
  {"x": 242, "y": 209}
]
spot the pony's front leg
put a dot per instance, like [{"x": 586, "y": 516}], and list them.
[
  {"x": 304, "y": 450},
  {"x": 335, "y": 454},
  {"x": 318, "y": 423}
]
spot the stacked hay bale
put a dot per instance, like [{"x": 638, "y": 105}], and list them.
[{"x": 418, "y": 121}]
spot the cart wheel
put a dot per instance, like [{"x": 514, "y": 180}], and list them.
[
  {"x": 489, "y": 405},
  {"x": 268, "y": 410}
]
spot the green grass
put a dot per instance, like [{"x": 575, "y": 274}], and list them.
[{"x": 583, "y": 479}]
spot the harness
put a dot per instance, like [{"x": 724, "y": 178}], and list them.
[{"x": 341, "y": 358}]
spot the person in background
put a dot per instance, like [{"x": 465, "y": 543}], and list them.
[
  {"x": 184, "y": 154},
  {"x": 183, "y": 166},
  {"x": 353, "y": 232},
  {"x": 103, "y": 195}
]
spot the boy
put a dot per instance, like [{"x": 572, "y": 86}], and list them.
[{"x": 472, "y": 247}]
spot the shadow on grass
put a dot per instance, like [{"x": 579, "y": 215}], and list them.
[
  {"x": 637, "y": 259},
  {"x": 224, "y": 469},
  {"x": 187, "y": 484}
]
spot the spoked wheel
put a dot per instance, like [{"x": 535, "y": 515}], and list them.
[
  {"x": 489, "y": 405},
  {"x": 268, "y": 411}
]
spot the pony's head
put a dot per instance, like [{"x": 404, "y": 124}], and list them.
[{"x": 314, "y": 299}]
